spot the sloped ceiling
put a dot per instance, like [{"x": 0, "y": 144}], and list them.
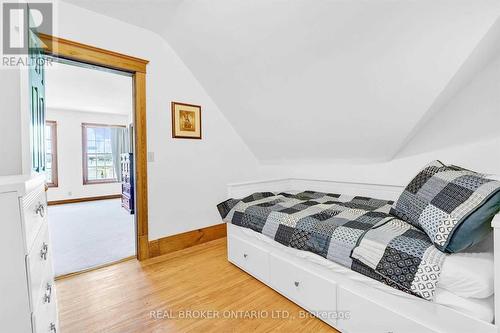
[{"x": 318, "y": 79}]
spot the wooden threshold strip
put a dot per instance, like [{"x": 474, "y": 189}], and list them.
[
  {"x": 75, "y": 200},
  {"x": 65, "y": 276}
]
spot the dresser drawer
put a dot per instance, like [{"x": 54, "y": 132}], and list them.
[
  {"x": 39, "y": 265},
  {"x": 44, "y": 318},
  {"x": 249, "y": 257},
  {"x": 34, "y": 211},
  {"x": 311, "y": 291},
  {"x": 366, "y": 316}
]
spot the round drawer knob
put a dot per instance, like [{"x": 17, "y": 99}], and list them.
[{"x": 296, "y": 283}]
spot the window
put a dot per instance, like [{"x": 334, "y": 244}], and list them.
[
  {"x": 98, "y": 161},
  {"x": 51, "y": 153}
]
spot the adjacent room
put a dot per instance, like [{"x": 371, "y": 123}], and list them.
[
  {"x": 250, "y": 166},
  {"x": 88, "y": 129}
]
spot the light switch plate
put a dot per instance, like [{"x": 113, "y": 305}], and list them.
[{"x": 151, "y": 156}]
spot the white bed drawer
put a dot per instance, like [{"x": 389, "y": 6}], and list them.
[
  {"x": 39, "y": 265},
  {"x": 249, "y": 257},
  {"x": 309, "y": 290},
  {"x": 366, "y": 316},
  {"x": 34, "y": 208}
]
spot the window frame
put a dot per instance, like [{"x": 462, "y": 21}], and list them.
[
  {"x": 53, "y": 149},
  {"x": 86, "y": 180}
]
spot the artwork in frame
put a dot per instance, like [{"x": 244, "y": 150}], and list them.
[{"x": 186, "y": 121}]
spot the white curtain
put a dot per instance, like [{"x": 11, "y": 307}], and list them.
[{"x": 120, "y": 143}]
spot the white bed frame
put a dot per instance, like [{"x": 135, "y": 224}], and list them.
[{"x": 329, "y": 294}]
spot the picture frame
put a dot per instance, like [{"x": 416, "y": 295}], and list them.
[{"x": 186, "y": 121}]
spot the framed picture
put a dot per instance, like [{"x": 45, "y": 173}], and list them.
[{"x": 186, "y": 121}]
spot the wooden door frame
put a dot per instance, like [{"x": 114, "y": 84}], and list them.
[{"x": 64, "y": 48}]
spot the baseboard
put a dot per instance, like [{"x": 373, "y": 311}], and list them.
[
  {"x": 76, "y": 200},
  {"x": 178, "y": 242}
]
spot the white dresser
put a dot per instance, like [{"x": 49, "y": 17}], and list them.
[{"x": 27, "y": 290}]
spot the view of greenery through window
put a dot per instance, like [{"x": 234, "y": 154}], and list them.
[{"x": 99, "y": 155}]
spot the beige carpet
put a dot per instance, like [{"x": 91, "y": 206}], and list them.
[{"x": 89, "y": 234}]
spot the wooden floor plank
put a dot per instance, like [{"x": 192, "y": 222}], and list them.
[{"x": 122, "y": 297}]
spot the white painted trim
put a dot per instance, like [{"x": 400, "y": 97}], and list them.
[
  {"x": 389, "y": 192},
  {"x": 239, "y": 190}
]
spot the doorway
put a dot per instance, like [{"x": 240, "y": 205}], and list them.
[
  {"x": 89, "y": 152},
  {"x": 92, "y": 56}
]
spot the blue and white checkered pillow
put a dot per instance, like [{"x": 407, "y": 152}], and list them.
[{"x": 448, "y": 203}]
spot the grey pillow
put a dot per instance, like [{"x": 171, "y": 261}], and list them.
[{"x": 454, "y": 206}]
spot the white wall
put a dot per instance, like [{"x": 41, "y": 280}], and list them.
[
  {"x": 483, "y": 156},
  {"x": 188, "y": 177},
  {"x": 464, "y": 131},
  {"x": 14, "y": 136},
  {"x": 472, "y": 115},
  {"x": 69, "y": 151},
  {"x": 10, "y": 123}
]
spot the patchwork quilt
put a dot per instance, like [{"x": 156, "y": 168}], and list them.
[{"x": 356, "y": 232}]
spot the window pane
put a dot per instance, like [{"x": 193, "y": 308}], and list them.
[
  {"x": 109, "y": 159},
  {"x": 48, "y": 167},
  {"x": 110, "y": 173},
  {"x": 107, "y": 133},
  {"x": 48, "y": 161},
  {"x": 91, "y": 174},
  {"x": 101, "y": 160},
  {"x": 107, "y": 146},
  {"x": 101, "y": 173},
  {"x": 50, "y": 150},
  {"x": 91, "y": 146},
  {"x": 99, "y": 133},
  {"x": 100, "y": 146},
  {"x": 48, "y": 137},
  {"x": 91, "y": 160},
  {"x": 90, "y": 133}
]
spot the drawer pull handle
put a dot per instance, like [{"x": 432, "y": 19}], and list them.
[
  {"x": 44, "y": 251},
  {"x": 296, "y": 283},
  {"x": 40, "y": 210},
  {"x": 53, "y": 328},
  {"x": 48, "y": 293},
  {"x": 245, "y": 255}
]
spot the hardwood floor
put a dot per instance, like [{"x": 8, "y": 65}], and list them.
[{"x": 153, "y": 296}]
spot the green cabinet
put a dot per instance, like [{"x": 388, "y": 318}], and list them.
[{"x": 37, "y": 103}]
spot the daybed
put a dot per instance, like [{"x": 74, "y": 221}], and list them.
[{"x": 347, "y": 290}]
